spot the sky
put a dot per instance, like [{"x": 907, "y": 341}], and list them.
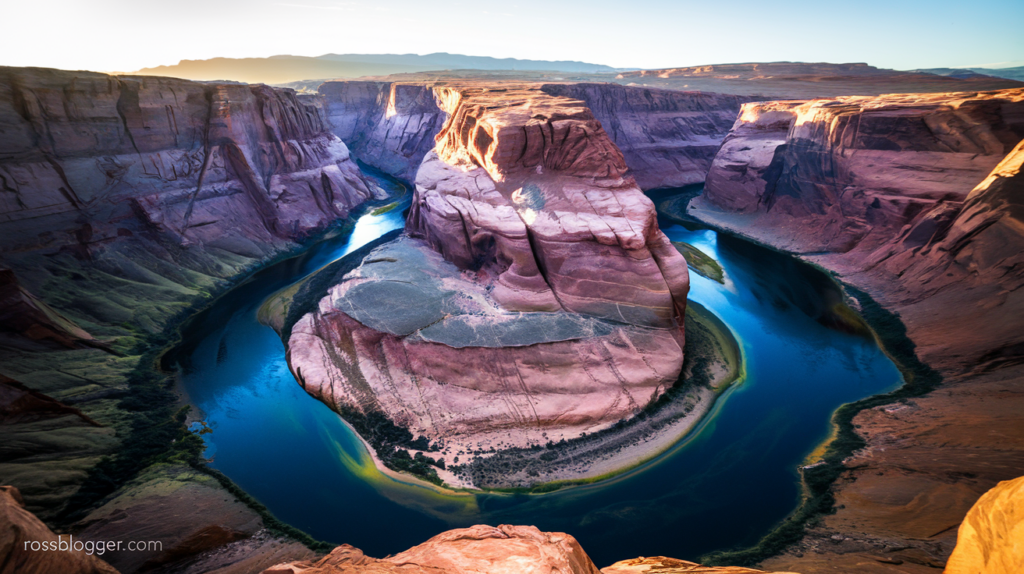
[{"x": 126, "y": 35}]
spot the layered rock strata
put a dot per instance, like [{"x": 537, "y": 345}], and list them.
[
  {"x": 667, "y": 138},
  {"x": 915, "y": 199},
  {"x": 88, "y": 158},
  {"x": 388, "y": 125},
  {"x": 533, "y": 300},
  {"x": 123, "y": 202},
  {"x": 783, "y": 80},
  {"x": 905, "y": 186}
]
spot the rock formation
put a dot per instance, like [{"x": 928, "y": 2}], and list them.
[
  {"x": 854, "y": 171},
  {"x": 538, "y": 298},
  {"x": 26, "y": 321},
  {"x": 388, "y": 125},
  {"x": 668, "y": 138},
  {"x": 43, "y": 553},
  {"x": 502, "y": 550},
  {"x": 884, "y": 186},
  {"x": 229, "y": 166},
  {"x": 915, "y": 199},
  {"x": 991, "y": 538},
  {"x": 663, "y": 565},
  {"x": 123, "y": 201},
  {"x": 786, "y": 80}
]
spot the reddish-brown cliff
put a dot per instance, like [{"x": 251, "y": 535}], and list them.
[{"x": 87, "y": 157}]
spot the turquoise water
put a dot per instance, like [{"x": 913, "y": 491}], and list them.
[{"x": 726, "y": 485}]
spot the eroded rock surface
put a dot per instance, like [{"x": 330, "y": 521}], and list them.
[
  {"x": 123, "y": 202},
  {"x": 389, "y": 125},
  {"x": 991, "y": 538},
  {"x": 27, "y": 322},
  {"x": 535, "y": 298},
  {"x": 18, "y": 526},
  {"x": 496, "y": 550},
  {"x": 915, "y": 199},
  {"x": 853, "y": 171},
  {"x": 663, "y": 565},
  {"x": 231, "y": 166},
  {"x": 668, "y": 138}
]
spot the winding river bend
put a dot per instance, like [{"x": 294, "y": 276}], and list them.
[{"x": 725, "y": 485}]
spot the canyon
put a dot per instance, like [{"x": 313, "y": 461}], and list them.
[
  {"x": 530, "y": 253},
  {"x": 914, "y": 199}
]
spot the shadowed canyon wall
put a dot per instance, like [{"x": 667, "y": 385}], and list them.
[
  {"x": 233, "y": 166},
  {"x": 668, "y": 138},
  {"x": 125, "y": 202},
  {"x": 915, "y": 199}
]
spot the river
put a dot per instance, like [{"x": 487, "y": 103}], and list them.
[{"x": 725, "y": 485}]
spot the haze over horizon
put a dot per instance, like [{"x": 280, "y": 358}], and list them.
[{"x": 117, "y": 35}]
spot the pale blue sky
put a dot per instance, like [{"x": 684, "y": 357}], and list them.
[{"x": 124, "y": 35}]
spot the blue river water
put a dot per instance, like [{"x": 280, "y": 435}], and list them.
[{"x": 725, "y": 485}]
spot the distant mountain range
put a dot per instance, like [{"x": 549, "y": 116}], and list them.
[
  {"x": 965, "y": 73},
  {"x": 284, "y": 69},
  {"x": 292, "y": 69}
]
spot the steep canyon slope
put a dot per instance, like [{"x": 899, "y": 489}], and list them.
[
  {"x": 539, "y": 299},
  {"x": 124, "y": 203},
  {"x": 915, "y": 199}
]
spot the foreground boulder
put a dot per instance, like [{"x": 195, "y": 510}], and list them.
[
  {"x": 502, "y": 550},
  {"x": 663, "y": 565},
  {"x": 534, "y": 299},
  {"x": 19, "y": 526},
  {"x": 991, "y": 537},
  {"x": 486, "y": 549}
]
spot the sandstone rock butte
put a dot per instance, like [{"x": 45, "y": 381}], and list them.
[{"x": 539, "y": 299}]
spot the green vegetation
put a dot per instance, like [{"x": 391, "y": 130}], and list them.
[
  {"x": 819, "y": 499},
  {"x": 269, "y": 520},
  {"x": 156, "y": 431},
  {"x": 700, "y": 262},
  {"x": 711, "y": 360},
  {"x": 385, "y": 208},
  {"x": 390, "y": 442}
]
